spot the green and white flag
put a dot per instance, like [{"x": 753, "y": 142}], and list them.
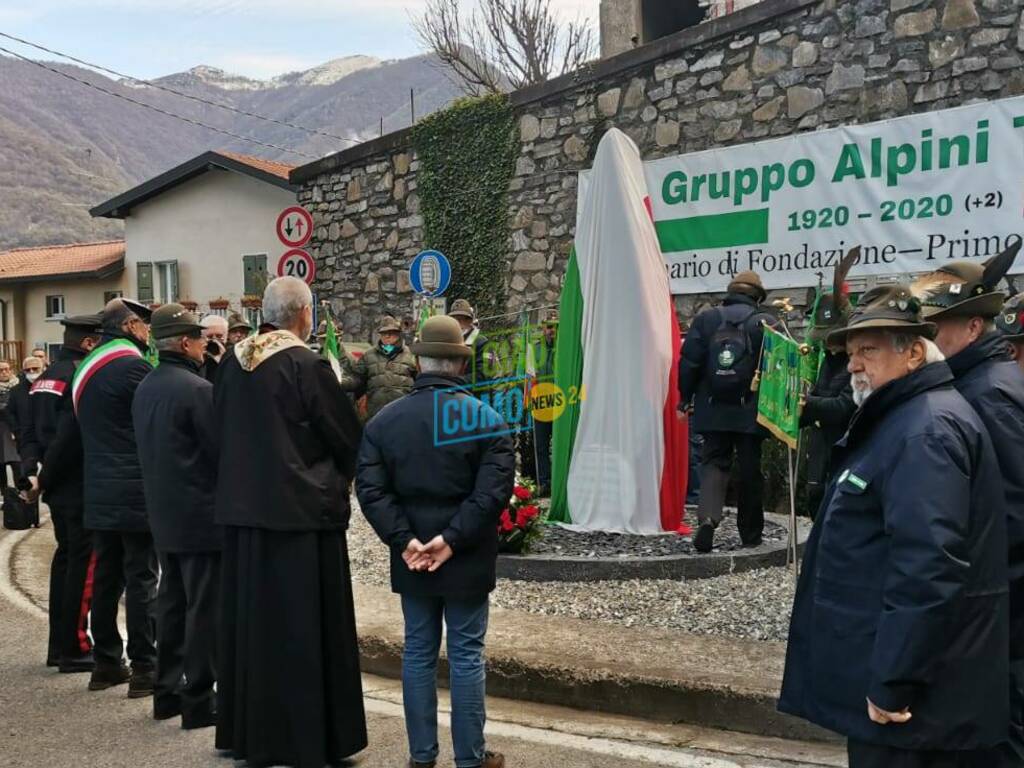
[
  {"x": 788, "y": 370},
  {"x": 331, "y": 350}
]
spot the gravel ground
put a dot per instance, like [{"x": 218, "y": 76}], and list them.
[
  {"x": 754, "y": 605},
  {"x": 557, "y": 540}
]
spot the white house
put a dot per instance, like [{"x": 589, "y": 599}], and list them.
[{"x": 203, "y": 232}]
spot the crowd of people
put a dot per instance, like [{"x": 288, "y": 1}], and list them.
[{"x": 211, "y": 491}]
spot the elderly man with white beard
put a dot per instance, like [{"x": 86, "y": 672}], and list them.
[{"x": 900, "y": 627}]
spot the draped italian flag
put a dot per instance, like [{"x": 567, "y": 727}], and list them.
[{"x": 619, "y": 450}]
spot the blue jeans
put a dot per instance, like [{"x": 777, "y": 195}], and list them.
[{"x": 466, "y": 621}]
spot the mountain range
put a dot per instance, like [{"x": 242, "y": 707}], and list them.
[{"x": 65, "y": 146}]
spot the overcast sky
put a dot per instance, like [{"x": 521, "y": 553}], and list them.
[{"x": 257, "y": 38}]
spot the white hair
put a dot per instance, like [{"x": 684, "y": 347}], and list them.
[
  {"x": 284, "y": 299},
  {"x": 211, "y": 320},
  {"x": 170, "y": 344},
  {"x": 448, "y": 366},
  {"x": 901, "y": 342}
]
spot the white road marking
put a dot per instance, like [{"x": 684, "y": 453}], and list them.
[
  {"x": 7, "y": 588},
  {"x": 608, "y": 747}
]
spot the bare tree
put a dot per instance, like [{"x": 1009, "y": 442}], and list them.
[{"x": 504, "y": 44}]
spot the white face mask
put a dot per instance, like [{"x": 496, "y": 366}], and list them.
[{"x": 32, "y": 376}]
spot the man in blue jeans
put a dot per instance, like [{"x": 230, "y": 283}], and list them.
[{"x": 435, "y": 472}]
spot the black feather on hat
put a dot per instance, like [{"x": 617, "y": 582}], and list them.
[
  {"x": 832, "y": 309},
  {"x": 965, "y": 288}
]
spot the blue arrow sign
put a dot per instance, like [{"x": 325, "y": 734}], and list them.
[{"x": 430, "y": 273}]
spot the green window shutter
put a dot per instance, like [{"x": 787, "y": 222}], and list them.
[
  {"x": 172, "y": 267},
  {"x": 254, "y": 267},
  {"x": 144, "y": 276}
]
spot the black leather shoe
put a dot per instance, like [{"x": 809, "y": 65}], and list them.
[
  {"x": 70, "y": 666},
  {"x": 198, "y": 720},
  {"x": 165, "y": 710},
  {"x": 141, "y": 684},
  {"x": 704, "y": 539},
  {"x": 414, "y": 764},
  {"x": 104, "y": 676},
  {"x": 754, "y": 542}
]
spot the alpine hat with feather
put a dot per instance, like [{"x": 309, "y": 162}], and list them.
[
  {"x": 965, "y": 288},
  {"x": 1010, "y": 321},
  {"x": 832, "y": 309},
  {"x": 887, "y": 308}
]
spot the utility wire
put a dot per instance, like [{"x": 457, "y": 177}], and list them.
[
  {"x": 158, "y": 86},
  {"x": 130, "y": 100}
]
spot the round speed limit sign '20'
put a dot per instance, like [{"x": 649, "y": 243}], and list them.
[{"x": 297, "y": 263}]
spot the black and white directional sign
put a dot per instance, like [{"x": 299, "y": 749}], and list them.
[
  {"x": 297, "y": 263},
  {"x": 294, "y": 226}
]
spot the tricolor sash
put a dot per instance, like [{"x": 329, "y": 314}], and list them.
[{"x": 95, "y": 360}]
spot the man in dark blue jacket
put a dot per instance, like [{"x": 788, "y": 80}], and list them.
[
  {"x": 436, "y": 468},
  {"x": 115, "y": 503},
  {"x": 717, "y": 365},
  {"x": 900, "y": 627},
  {"x": 173, "y": 418},
  {"x": 51, "y": 448},
  {"x": 962, "y": 300}
]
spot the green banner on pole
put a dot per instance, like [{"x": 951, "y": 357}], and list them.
[{"x": 788, "y": 370}]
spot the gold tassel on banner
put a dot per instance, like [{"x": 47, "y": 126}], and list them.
[{"x": 755, "y": 383}]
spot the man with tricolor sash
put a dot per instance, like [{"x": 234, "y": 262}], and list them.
[{"x": 115, "y": 505}]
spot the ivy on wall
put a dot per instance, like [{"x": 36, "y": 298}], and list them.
[{"x": 467, "y": 158}]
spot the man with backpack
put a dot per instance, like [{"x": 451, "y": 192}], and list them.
[{"x": 717, "y": 365}]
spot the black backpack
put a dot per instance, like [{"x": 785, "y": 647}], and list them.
[
  {"x": 732, "y": 360},
  {"x": 19, "y": 514}
]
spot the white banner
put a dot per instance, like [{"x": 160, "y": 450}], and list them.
[{"x": 913, "y": 192}]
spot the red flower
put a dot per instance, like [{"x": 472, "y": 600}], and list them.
[
  {"x": 522, "y": 493},
  {"x": 529, "y": 511},
  {"x": 506, "y": 522}
]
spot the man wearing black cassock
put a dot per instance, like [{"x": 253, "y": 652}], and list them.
[{"x": 289, "y": 689}]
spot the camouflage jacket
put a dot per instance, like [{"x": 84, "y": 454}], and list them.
[{"x": 382, "y": 378}]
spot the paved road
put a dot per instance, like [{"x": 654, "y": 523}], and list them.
[{"x": 51, "y": 720}]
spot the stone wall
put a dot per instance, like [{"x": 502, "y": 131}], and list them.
[{"x": 769, "y": 70}]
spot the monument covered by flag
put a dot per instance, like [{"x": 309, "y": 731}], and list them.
[{"x": 619, "y": 450}]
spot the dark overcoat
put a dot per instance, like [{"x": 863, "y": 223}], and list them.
[
  {"x": 114, "y": 497},
  {"x": 438, "y": 461},
  {"x": 903, "y": 594},
  {"x": 287, "y": 440},
  {"x": 173, "y": 417}
]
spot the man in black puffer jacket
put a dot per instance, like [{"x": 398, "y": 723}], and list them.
[
  {"x": 962, "y": 300},
  {"x": 115, "y": 503}
]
